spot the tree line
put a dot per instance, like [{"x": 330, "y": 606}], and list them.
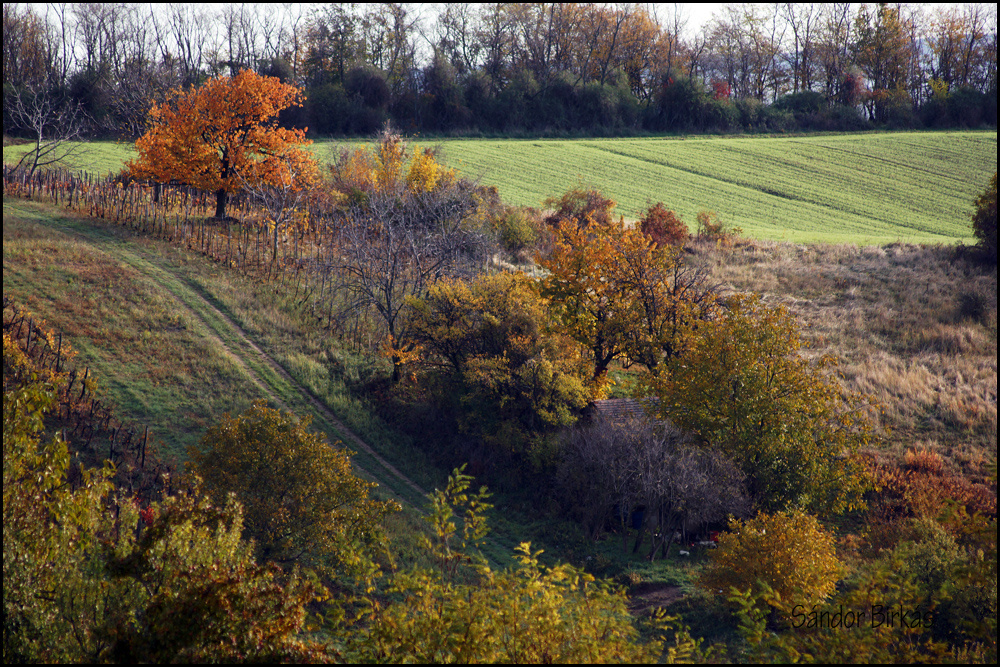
[{"x": 516, "y": 67}]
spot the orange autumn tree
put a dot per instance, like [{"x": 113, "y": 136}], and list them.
[
  {"x": 618, "y": 294},
  {"x": 223, "y": 137}
]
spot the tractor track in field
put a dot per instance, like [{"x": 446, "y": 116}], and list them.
[
  {"x": 346, "y": 434},
  {"x": 154, "y": 270}
]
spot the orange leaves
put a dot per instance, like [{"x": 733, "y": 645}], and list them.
[
  {"x": 385, "y": 169},
  {"x": 223, "y": 136},
  {"x": 619, "y": 295}
]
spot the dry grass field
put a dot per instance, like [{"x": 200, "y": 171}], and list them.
[{"x": 914, "y": 326}]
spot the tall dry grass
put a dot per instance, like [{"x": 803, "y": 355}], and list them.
[{"x": 914, "y": 326}]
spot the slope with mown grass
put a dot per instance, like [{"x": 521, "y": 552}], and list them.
[{"x": 176, "y": 341}]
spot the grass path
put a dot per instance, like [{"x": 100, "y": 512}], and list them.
[
  {"x": 220, "y": 332},
  {"x": 256, "y": 363},
  {"x": 168, "y": 347}
]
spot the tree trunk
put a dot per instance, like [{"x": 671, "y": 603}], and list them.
[{"x": 221, "y": 198}]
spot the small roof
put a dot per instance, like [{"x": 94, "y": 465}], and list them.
[{"x": 621, "y": 409}]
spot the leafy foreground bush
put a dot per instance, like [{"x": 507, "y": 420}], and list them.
[
  {"x": 787, "y": 553},
  {"x": 302, "y": 502},
  {"x": 465, "y": 611},
  {"x": 89, "y": 576},
  {"x": 907, "y": 606}
]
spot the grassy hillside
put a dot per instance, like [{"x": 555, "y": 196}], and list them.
[
  {"x": 174, "y": 340},
  {"x": 851, "y": 188},
  {"x": 913, "y": 326}
]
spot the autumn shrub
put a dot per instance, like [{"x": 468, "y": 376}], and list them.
[
  {"x": 922, "y": 460},
  {"x": 620, "y": 296},
  {"x": 402, "y": 222},
  {"x": 923, "y": 489},
  {"x": 712, "y": 228},
  {"x": 426, "y": 173},
  {"x": 946, "y": 572},
  {"x": 582, "y": 205},
  {"x": 91, "y": 576},
  {"x": 508, "y": 380},
  {"x": 789, "y": 553},
  {"x": 663, "y": 226},
  {"x": 526, "y": 613},
  {"x": 861, "y": 623},
  {"x": 984, "y": 219},
  {"x": 302, "y": 502},
  {"x": 743, "y": 386}
]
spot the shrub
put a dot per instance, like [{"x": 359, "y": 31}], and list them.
[
  {"x": 513, "y": 381},
  {"x": 924, "y": 489},
  {"x": 712, "y": 228},
  {"x": 945, "y": 574},
  {"x": 582, "y": 204},
  {"x": 302, "y": 501},
  {"x": 90, "y": 576},
  {"x": 789, "y": 552},
  {"x": 977, "y": 305},
  {"x": 663, "y": 226},
  {"x": 517, "y": 231},
  {"x": 984, "y": 220},
  {"x": 742, "y": 386}
]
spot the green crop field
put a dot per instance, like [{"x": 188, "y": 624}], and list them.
[
  {"x": 865, "y": 189},
  {"x": 847, "y": 188}
]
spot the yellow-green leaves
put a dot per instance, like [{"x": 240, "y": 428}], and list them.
[
  {"x": 488, "y": 338},
  {"x": 529, "y": 613},
  {"x": 787, "y": 554},
  {"x": 302, "y": 501},
  {"x": 743, "y": 387}
]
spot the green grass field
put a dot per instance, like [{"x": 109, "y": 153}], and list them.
[
  {"x": 848, "y": 188},
  {"x": 864, "y": 189}
]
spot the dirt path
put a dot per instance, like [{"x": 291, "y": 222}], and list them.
[{"x": 647, "y": 597}]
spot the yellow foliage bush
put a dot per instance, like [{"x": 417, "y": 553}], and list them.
[
  {"x": 789, "y": 552},
  {"x": 426, "y": 174}
]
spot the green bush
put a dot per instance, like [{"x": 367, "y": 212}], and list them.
[
  {"x": 302, "y": 502},
  {"x": 984, "y": 220},
  {"x": 516, "y": 231},
  {"x": 743, "y": 386}
]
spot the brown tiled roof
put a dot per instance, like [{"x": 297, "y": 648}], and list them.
[{"x": 619, "y": 409}]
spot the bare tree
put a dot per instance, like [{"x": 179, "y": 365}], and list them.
[
  {"x": 394, "y": 245},
  {"x": 56, "y": 127},
  {"x": 802, "y": 18},
  {"x": 617, "y": 470},
  {"x": 184, "y": 39},
  {"x": 281, "y": 201}
]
